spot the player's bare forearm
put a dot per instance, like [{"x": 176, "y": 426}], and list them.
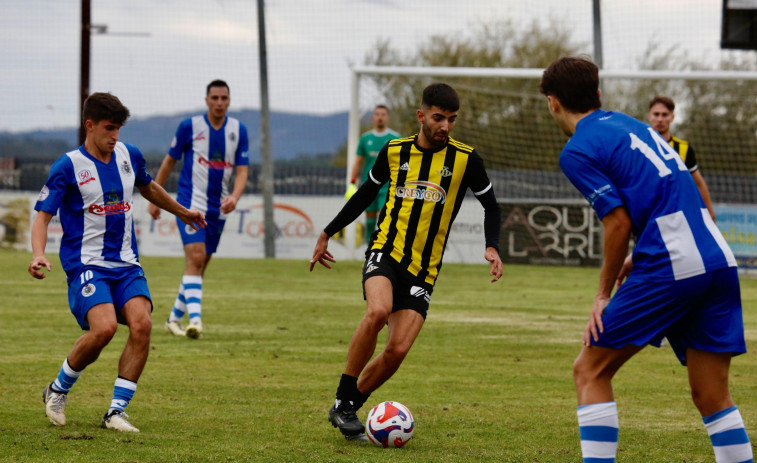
[
  {"x": 321, "y": 253},
  {"x": 158, "y": 196},
  {"x": 229, "y": 203},
  {"x": 704, "y": 191},
  {"x": 617, "y": 232},
  {"x": 39, "y": 241}
]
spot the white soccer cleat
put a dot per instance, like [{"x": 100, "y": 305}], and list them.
[
  {"x": 175, "y": 328},
  {"x": 194, "y": 330},
  {"x": 55, "y": 405},
  {"x": 116, "y": 419}
]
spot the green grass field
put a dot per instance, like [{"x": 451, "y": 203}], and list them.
[{"x": 488, "y": 380}]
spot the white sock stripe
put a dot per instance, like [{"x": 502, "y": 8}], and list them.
[
  {"x": 192, "y": 293},
  {"x": 730, "y": 421},
  {"x": 733, "y": 453},
  {"x": 126, "y": 384},
  {"x": 594, "y": 449},
  {"x": 601, "y": 414},
  {"x": 191, "y": 279},
  {"x": 70, "y": 371}
]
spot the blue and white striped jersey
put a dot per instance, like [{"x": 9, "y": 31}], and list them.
[
  {"x": 209, "y": 159},
  {"x": 95, "y": 202},
  {"x": 617, "y": 161}
]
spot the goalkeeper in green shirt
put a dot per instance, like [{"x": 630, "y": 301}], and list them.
[{"x": 368, "y": 148}]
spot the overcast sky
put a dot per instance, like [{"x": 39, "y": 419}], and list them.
[{"x": 158, "y": 55}]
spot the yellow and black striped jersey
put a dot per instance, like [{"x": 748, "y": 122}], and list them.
[
  {"x": 426, "y": 189},
  {"x": 686, "y": 152}
]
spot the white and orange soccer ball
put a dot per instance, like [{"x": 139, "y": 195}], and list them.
[{"x": 389, "y": 424}]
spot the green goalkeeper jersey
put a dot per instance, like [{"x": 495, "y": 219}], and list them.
[{"x": 369, "y": 146}]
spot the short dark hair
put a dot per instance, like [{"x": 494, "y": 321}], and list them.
[
  {"x": 381, "y": 106},
  {"x": 216, "y": 83},
  {"x": 665, "y": 101},
  {"x": 104, "y": 107},
  {"x": 574, "y": 81},
  {"x": 442, "y": 96}
]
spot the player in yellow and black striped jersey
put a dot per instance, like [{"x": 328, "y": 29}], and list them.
[
  {"x": 428, "y": 175},
  {"x": 661, "y": 115}
]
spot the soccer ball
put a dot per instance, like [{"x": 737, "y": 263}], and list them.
[{"x": 389, "y": 424}]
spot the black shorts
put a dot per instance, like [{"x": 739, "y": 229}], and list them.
[{"x": 409, "y": 291}]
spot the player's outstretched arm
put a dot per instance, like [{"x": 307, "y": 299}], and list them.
[
  {"x": 166, "y": 167},
  {"x": 321, "y": 253},
  {"x": 492, "y": 255},
  {"x": 158, "y": 196},
  {"x": 39, "y": 240}
]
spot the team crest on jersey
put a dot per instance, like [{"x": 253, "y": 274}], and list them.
[
  {"x": 232, "y": 136},
  {"x": 88, "y": 290},
  {"x": 445, "y": 172},
  {"x": 84, "y": 177},
  {"x": 43, "y": 193},
  {"x": 126, "y": 168},
  {"x": 426, "y": 191}
]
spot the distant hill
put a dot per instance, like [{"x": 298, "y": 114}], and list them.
[{"x": 292, "y": 135}]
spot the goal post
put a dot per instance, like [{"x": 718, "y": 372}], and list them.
[{"x": 505, "y": 118}]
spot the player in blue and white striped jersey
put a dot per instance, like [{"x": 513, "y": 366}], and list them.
[
  {"x": 92, "y": 187},
  {"x": 213, "y": 146},
  {"x": 681, "y": 280}
]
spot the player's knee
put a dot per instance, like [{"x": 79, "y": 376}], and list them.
[
  {"x": 396, "y": 352},
  {"x": 141, "y": 327},
  {"x": 103, "y": 334},
  {"x": 376, "y": 316}
]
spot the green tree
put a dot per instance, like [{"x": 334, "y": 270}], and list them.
[{"x": 499, "y": 117}]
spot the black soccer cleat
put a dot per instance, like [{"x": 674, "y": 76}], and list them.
[{"x": 344, "y": 417}]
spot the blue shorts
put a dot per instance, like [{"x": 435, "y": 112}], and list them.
[
  {"x": 98, "y": 285},
  {"x": 210, "y": 235},
  {"x": 701, "y": 312}
]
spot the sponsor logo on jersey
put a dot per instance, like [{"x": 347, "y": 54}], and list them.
[
  {"x": 220, "y": 164},
  {"x": 85, "y": 176},
  {"x": 173, "y": 142},
  {"x": 120, "y": 207},
  {"x": 126, "y": 168},
  {"x": 426, "y": 191},
  {"x": 417, "y": 291},
  {"x": 445, "y": 172},
  {"x": 199, "y": 136},
  {"x": 43, "y": 193},
  {"x": 88, "y": 290},
  {"x": 405, "y": 166}
]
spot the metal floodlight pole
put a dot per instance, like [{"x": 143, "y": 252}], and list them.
[
  {"x": 266, "y": 159},
  {"x": 86, "y": 14}
]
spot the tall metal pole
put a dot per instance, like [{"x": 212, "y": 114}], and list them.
[
  {"x": 86, "y": 11},
  {"x": 598, "y": 36},
  {"x": 266, "y": 159}
]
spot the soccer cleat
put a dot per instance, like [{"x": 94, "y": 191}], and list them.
[
  {"x": 194, "y": 330},
  {"x": 358, "y": 438},
  {"x": 116, "y": 419},
  {"x": 55, "y": 405},
  {"x": 342, "y": 415},
  {"x": 174, "y": 328}
]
